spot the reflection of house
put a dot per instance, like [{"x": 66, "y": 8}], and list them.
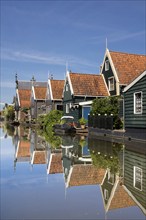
[
  {"x": 54, "y": 95},
  {"x": 38, "y": 99},
  {"x": 39, "y": 153},
  {"x": 120, "y": 69},
  {"x": 79, "y": 91},
  {"x": 23, "y": 151},
  {"x": 135, "y": 107},
  {"x": 55, "y": 162},
  {"x": 135, "y": 173},
  {"x": 81, "y": 174}
]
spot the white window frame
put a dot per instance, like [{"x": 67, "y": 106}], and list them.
[
  {"x": 106, "y": 194},
  {"x": 67, "y": 107},
  {"x": 111, "y": 177},
  {"x": 135, "y": 102},
  {"x": 138, "y": 175},
  {"x": 66, "y": 87},
  {"x": 111, "y": 88},
  {"x": 106, "y": 65}
]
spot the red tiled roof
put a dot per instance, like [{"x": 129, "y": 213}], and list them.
[
  {"x": 39, "y": 157},
  {"x": 88, "y": 84},
  {"x": 128, "y": 66},
  {"x": 56, "y": 164},
  {"x": 57, "y": 88},
  {"x": 24, "y": 149},
  {"x": 24, "y": 97},
  {"x": 121, "y": 199},
  {"x": 86, "y": 175},
  {"x": 40, "y": 92}
]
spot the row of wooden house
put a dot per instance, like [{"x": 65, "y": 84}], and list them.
[{"x": 121, "y": 74}]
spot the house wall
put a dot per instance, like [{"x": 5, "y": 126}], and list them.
[
  {"x": 108, "y": 74},
  {"x": 135, "y": 121},
  {"x": 131, "y": 159}
]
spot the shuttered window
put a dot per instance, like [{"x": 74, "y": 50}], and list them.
[{"x": 137, "y": 178}]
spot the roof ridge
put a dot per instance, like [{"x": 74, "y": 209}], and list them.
[
  {"x": 96, "y": 74},
  {"x": 128, "y": 53}
]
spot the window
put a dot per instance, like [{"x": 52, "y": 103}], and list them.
[
  {"x": 111, "y": 177},
  {"x": 67, "y": 107},
  {"x": 66, "y": 87},
  {"x": 106, "y": 65},
  {"x": 59, "y": 107},
  {"x": 137, "y": 178},
  {"x": 111, "y": 84},
  {"x": 138, "y": 103},
  {"x": 106, "y": 195}
]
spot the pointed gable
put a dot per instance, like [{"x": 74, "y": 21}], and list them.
[
  {"x": 86, "y": 175},
  {"x": 56, "y": 89},
  {"x": 121, "y": 199},
  {"x": 128, "y": 66},
  {"x": 24, "y": 93},
  {"x": 40, "y": 89},
  {"x": 88, "y": 84}
]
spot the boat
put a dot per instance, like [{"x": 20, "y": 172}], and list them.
[{"x": 66, "y": 126}]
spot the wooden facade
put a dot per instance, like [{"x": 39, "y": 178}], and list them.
[
  {"x": 79, "y": 91},
  {"x": 135, "y": 174},
  {"x": 135, "y": 107}
]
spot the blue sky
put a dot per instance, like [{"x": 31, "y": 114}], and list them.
[{"x": 40, "y": 37}]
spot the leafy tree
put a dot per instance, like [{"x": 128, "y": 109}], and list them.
[
  {"x": 108, "y": 105},
  {"x": 9, "y": 113}
]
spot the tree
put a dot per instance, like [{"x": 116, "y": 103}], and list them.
[
  {"x": 9, "y": 113},
  {"x": 108, "y": 105}
]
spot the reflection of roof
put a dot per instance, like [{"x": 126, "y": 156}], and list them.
[
  {"x": 121, "y": 199},
  {"x": 39, "y": 157},
  {"x": 86, "y": 175},
  {"x": 88, "y": 84},
  {"x": 55, "y": 163},
  {"x": 23, "y": 149}
]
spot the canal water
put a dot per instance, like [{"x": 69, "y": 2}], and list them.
[{"x": 70, "y": 177}]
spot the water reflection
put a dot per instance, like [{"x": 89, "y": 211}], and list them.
[{"x": 118, "y": 169}]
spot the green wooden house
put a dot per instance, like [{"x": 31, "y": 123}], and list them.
[
  {"x": 135, "y": 108},
  {"x": 135, "y": 173},
  {"x": 120, "y": 69},
  {"x": 79, "y": 91}
]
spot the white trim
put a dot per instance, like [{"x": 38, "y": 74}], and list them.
[
  {"x": 134, "y": 81},
  {"x": 67, "y": 117},
  {"x": 16, "y": 155},
  {"x": 50, "y": 88},
  {"x": 105, "y": 84},
  {"x": 134, "y": 199},
  {"x": 69, "y": 80},
  {"x": 107, "y": 54},
  {"x": 86, "y": 103},
  {"x": 33, "y": 91},
  {"x": 109, "y": 84},
  {"x": 48, "y": 170},
  {"x": 134, "y": 177},
  {"x": 138, "y": 113},
  {"x": 17, "y": 92},
  {"x": 32, "y": 159},
  {"x": 69, "y": 176}
]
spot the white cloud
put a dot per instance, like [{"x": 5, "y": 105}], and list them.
[{"x": 37, "y": 57}]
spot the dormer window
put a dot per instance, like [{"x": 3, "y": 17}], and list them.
[
  {"x": 106, "y": 65},
  {"x": 111, "y": 84}
]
